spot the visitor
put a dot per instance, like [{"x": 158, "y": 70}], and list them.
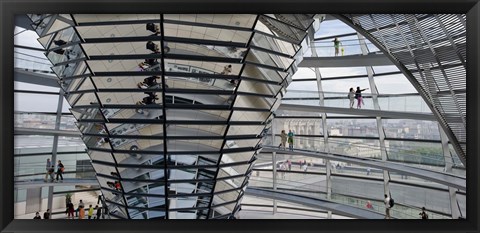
[
  {"x": 387, "y": 207},
  {"x": 46, "y": 215},
  {"x": 80, "y": 210},
  {"x": 423, "y": 214},
  {"x": 336, "y": 44},
  {"x": 283, "y": 139},
  {"x": 227, "y": 70},
  {"x": 70, "y": 210},
  {"x": 90, "y": 212},
  {"x": 118, "y": 187},
  {"x": 289, "y": 165},
  {"x": 50, "y": 172},
  {"x": 351, "y": 96},
  {"x": 152, "y": 47},
  {"x": 369, "y": 205},
  {"x": 99, "y": 212},
  {"x": 60, "y": 169},
  {"x": 358, "y": 96},
  {"x": 48, "y": 166},
  {"x": 290, "y": 139},
  {"x": 153, "y": 28},
  {"x": 37, "y": 216}
]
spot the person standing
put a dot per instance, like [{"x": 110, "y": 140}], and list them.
[
  {"x": 369, "y": 205},
  {"x": 289, "y": 165},
  {"x": 423, "y": 214},
  {"x": 387, "y": 206},
  {"x": 70, "y": 210},
  {"x": 81, "y": 210},
  {"x": 47, "y": 214},
  {"x": 351, "y": 96},
  {"x": 50, "y": 173},
  {"x": 290, "y": 139},
  {"x": 99, "y": 212},
  {"x": 60, "y": 169},
  {"x": 336, "y": 44},
  {"x": 358, "y": 96},
  {"x": 283, "y": 138},
  {"x": 48, "y": 166},
  {"x": 90, "y": 212}
]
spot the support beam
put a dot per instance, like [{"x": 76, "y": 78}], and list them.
[{"x": 25, "y": 76}]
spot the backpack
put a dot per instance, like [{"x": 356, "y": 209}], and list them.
[{"x": 391, "y": 202}]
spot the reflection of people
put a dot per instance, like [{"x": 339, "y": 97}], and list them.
[
  {"x": 148, "y": 82},
  {"x": 153, "y": 47},
  {"x": 153, "y": 28}
]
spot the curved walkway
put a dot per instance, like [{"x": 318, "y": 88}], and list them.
[
  {"x": 438, "y": 177},
  {"x": 66, "y": 182},
  {"x": 358, "y": 112},
  {"x": 337, "y": 208}
]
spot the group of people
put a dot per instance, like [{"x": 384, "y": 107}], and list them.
[
  {"x": 46, "y": 215},
  {"x": 80, "y": 211},
  {"x": 51, "y": 170},
  {"x": 352, "y": 95},
  {"x": 286, "y": 138},
  {"x": 389, "y": 203}
]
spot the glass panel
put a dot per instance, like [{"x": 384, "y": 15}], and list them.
[
  {"x": 235, "y": 20},
  {"x": 207, "y": 33},
  {"x": 101, "y": 156},
  {"x": 130, "y": 98},
  {"x": 274, "y": 44},
  {"x": 138, "y": 158},
  {"x": 137, "y": 65},
  {"x": 198, "y": 130},
  {"x": 200, "y": 115},
  {"x": 258, "y": 88},
  {"x": 237, "y": 157},
  {"x": 416, "y": 153},
  {"x": 249, "y": 116},
  {"x": 254, "y": 102},
  {"x": 352, "y": 127},
  {"x": 194, "y": 145},
  {"x": 83, "y": 18},
  {"x": 413, "y": 129},
  {"x": 269, "y": 59},
  {"x": 187, "y": 66},
  {"x": 130, "y": 82},
  {"x": 245, "y": 129},
  {"x": 255, "y": 72},
  {"x": 138, "y": 144}
]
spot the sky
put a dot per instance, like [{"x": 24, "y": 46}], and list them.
[{"x": 392, "y": 84}]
